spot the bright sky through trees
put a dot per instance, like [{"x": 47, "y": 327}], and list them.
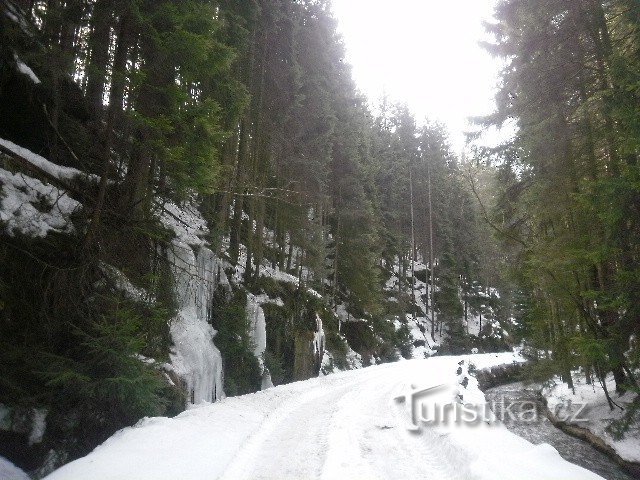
[{"x": 424, "y": 53}]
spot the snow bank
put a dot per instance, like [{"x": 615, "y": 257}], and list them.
[
  {"x": 32, "y": 208},
  {"x": 344, "y": 425},
  {"x": 8, "y": 471},
  {"x": 596, "y": 415}
]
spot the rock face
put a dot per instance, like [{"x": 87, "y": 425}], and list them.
[
  {"x": 21, "y": 431},
  {"x": 309, "y": 349},
  {"x": 499, "y": 375},
  {"x": 304, "y": 361},
  {"x": 258, "y": 331}
]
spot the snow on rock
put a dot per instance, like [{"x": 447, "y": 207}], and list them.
[
  {"x": 33, "y": 208},
  {"x": 123, "y": 284},
  {"x": 195, "y": 358},
  {"x": 314, "y": 293},
  {"x": 327, "y": 365},
  {"x": 258, "y": 332},
  {"x": 418, "y": 322},
  {"x": 354, "y": 359},
  {"x": 24, "y": 69},
  {"x": 279, "y": 275},
  {"x": 345, "y": 425},
  {"x": 38, "y": 426},
  {"x": 8, "y": 471},
  {"x": 596, "y": 415},
  {"x": 58, "y": 171},
  {"x": 343, "y": 314},
  {"x": 264, "y": 298},
  {"x": 185, "y": 221},
  {"x": 266, "y": 380}
]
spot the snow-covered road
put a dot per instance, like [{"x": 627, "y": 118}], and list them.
[{"x": 343, "y": 426}]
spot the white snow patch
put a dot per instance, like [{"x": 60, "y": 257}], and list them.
[
  {"x": 39, "y": 425},
  {"x": 279, "y": 275},
  {"x": 32, "y": 208},
  {"x": 8, "y": 471},
  {"x": 313, "y": 293},
  {"x": 264, "y": 298},
  {"x": 185, "y": 221},
  {"x": 354, "y": 359},
  {"x": 123, "y": 284},
  {"x": 58, "y": 171},
  {"x": 24, "y": 69}
]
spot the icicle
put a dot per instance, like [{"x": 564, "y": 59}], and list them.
[{"x": 195, "y": 358}]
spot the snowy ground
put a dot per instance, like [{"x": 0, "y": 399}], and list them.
[
  {"x": 8, "y": 471},
  {"x": 345, "y": 425},
  {"x": 596, "y": 414}
]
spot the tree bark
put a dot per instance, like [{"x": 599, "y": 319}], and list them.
[{"x": 99, "y": 40}]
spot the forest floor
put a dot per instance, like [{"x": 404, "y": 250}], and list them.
[{"x": 354, "y": 424}]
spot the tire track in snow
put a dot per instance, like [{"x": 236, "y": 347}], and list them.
[{"x": 345, "y": 430}]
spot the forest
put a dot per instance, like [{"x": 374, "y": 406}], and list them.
[{"x": 125, "y": 123}]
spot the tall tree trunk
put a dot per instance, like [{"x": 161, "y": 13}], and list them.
[
  {"x": 116, "y": 96},
  {"x": 413, "y": 247},
  {"x": 432, "y": 267},
  {"x": 239, "y": 188},
  {"x": 99, "y": 40},
  {"x": 154, "y": 101}
]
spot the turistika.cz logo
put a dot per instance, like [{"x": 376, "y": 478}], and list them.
[{"x": 457, "y": 411}]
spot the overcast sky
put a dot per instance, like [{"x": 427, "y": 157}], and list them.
[{"x": 424, "y": 53}]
